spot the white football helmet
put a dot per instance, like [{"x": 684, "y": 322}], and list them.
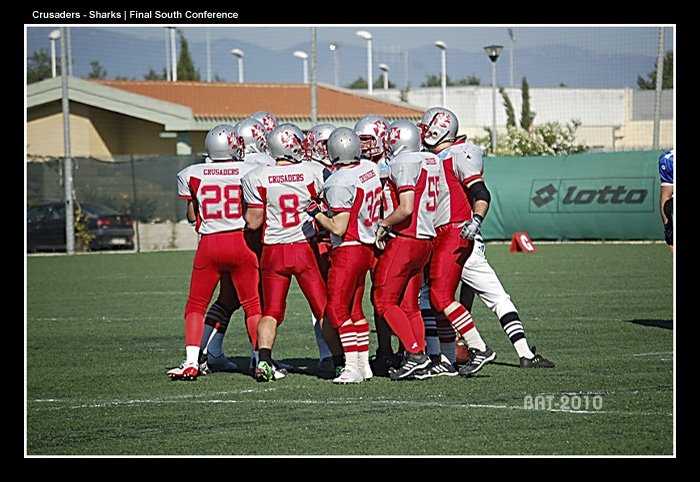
[
  {"x": 316, "y": 143},
  {"x": 268, "y": 120},
  {"x": 286, "y": 142},
  {"x": 373, "y": 131},
  {"x": 344, "y": 146},
  {"x": 222, "y": 144},
  {"x": 253, "y": 134},
  {"x": 404, "y": 136},
  {"x": 438, "y": 125}
]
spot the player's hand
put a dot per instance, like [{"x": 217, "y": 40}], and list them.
[
  {"x": 381, "y": 235},
  {"x": 471, "y": 228},
  {"x": 313, "y": 209}
]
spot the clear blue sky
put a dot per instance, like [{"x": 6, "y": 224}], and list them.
[{"x": 598, "y": 39}]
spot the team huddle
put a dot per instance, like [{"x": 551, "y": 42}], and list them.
[{"x": 399, "y": 203}]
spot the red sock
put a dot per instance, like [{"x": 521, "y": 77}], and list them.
[
  {"x": 401, "y": 325},
  {"x": 348, "y": 337},
  {"x": 362, "y": 331},
  {"x": 461, "y": 320},
  {"x": 251, "y": 325},
  {"x": 194, "y": 327},
  {"x": 418, "y": 327}
]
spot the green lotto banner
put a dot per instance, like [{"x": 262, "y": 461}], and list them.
[{"x": 584, "y": 196}]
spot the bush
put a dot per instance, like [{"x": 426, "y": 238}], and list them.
[{"x": 549, "y": 139}]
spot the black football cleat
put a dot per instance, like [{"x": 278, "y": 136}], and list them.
[
  {"x": 382, "y": 363},
  {"x": 411, "y": 365},
  {"x": 477, "y": 359}
]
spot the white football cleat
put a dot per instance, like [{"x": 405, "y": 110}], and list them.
[
  {"x": 348, "y": 375},
  {"x": 366, "y": 371},
  {"x": 186, "y": 371}
]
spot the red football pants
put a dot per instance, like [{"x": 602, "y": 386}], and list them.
[
  {"x": 398, "y": 276},
  {"x": 346, "y": 283},
  {"x": 450, "y": 252},
  {"x": 279, "y": 263},
  {"x": 218, "y": 253}
]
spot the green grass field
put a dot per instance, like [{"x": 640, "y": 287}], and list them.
[{"x": 103, "y": 329}]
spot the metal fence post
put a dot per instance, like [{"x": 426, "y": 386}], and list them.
[{"x": 135, "y": 201}]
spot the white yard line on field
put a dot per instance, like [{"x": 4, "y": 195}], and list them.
[
  {"x": 342, "y": 401},
  {"x": 654, "y": 353}
]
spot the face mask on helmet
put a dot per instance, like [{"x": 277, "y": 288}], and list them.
[{"x": 441, "y": 126}]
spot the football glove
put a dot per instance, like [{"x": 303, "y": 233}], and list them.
[
  {"x": 313, "y": 209},
  {"x": 668, "y": 232},
  {"x": 381, "y": 235},
  {"x": 471, "y": 228}
]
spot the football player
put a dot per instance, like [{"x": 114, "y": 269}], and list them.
[
  {"x": 353, "y": 193},
  {"x": 331, "y": 356},
  {"x": 214, "y": 189},
  {"x": 666, "y": 194},
  {"x": 277, "y": 198},
  {"x": 406, "y": 236},
  {"x": 462, "y": 167},
  {"x": 373, "y": 132}
]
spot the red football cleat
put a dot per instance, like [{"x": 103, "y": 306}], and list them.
[{"x": 186, "y": 371}]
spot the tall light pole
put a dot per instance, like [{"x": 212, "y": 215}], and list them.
[
  {"x": 443, "y": 78},
  {"x": 314, "y": 50},
  {"x": 493, "y": 51},
  {"x": 305, "y": 58},
  {"x": 659, "y": 89},
  {"x": 385, "y": 75},
  {"x": 168, "y": 69},
  {"x": 53, "y": 36},
  {"x": 238, "y": 53},
  {"x": 208, "y": 56},
  {"x": 512, "y": 53},
  {"x": 68, "y": 53},
  {"x": 67, "y": 160},
  {"x": 173, "y": 51},
  {"x": 333, "y": 47},
  {"x": 368, "y": 37}
]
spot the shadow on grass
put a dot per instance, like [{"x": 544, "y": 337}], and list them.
[
  {"x": 665, "y": 324},
  {"x": 300, "y": 366}
]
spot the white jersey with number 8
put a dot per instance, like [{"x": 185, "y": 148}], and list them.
[
  {"x": 284, "y": 192},
  {"x": 421, "y": 173},
  {"x": 215, "y": 189},
  {"x": 356, "y": 190}
]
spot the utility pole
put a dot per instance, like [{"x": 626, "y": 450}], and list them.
[
  {"x": 314, "y": 105},
  {"x": 168, "y": 68},
  {"x": 173, "y": 51},
  {"x": 67, "y": 161},
  {"x": 69, "y": 52}
]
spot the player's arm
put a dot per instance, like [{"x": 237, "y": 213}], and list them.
[
  {"x": 338, "y": 224},
  {"x": 665, "y": 196},
  {"x": 191, "y": 215},
  {"x": 479, "y": 198},
  {"x": 403, "y": 211},
  {"x": 254, "y": 217}
]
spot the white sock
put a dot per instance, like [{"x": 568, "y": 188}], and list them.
[
  {"x": 523, "y": 348},
  {"x": 323, "y": 350},
  {"x": 192, "y": 354},
  {"x": 352, "y": 360},
  {"x": 474, "y": 340},
  {"x": 363, "y": 358},
  {"x": 449, "y": 349}
]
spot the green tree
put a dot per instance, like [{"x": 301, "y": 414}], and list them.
[
  {"x": 358, "y": 83},
  {"x": 185, "y": 66},
  {"x": 469, "y": 80},
  {"x": 379, "y": 83},
  {"x": 667, "y": 81},
  {"x": 39, "y": 66},
  {"x": 527, "y": 116},
  {"x": 510, "y": 112},
  {"x": 153, "y": 75},
  {"x": 96, "y": 71}
]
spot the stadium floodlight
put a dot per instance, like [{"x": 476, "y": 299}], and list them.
[
  {"x": 385, "y": 74},
  {"x": 368, "y": 37},
  {"x": 53, "y": 36},
  {"x": 300, "y": 54},
  {"x": 333, "y": 47},
  {"x": 238, "y": 53},
  {"x": 443, "y": 76},
  {"x": 493, "y": 51}
]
